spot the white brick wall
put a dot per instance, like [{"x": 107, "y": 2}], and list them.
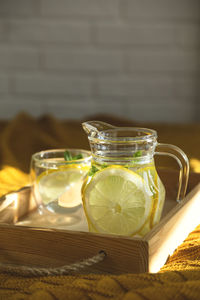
[
  {"x": 162, "y": 9},
  {"x": 18, "y": 8},
  {"x": 90, "y": 8},
  {"x": 73, "y": 58},
  {"x": 41, "y": 32},
  {"x": 19, "y": 58},
  {"x": 84, "y": 60},
  {"x": 124, "y": 34},
  {"x": 135, "y": 87},
  {"x": 175, "y": 60},
  {"x": 4, "y": 85},
  {"x": 52, "y": 85}
]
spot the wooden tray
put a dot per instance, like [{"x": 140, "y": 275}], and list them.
[{"x": 53, "y": 247}]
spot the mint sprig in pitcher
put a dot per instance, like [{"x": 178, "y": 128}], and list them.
[{"x": 123, "y": 193}]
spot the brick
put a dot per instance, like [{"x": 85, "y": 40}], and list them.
[
  {"x": 139, "y": 87},
  {"x": 197, "y": 111},
  {"x": 163, "y": 61},
  {"x": 162, "y": 9},
  {"x": 52, "y": 85},
  {"x": 21, "y": 58},
  {"x": 187, "y": 87},
  {"x": 80, "y": 7},
  {"x": 18, "y": 8},
  {"x": 10, "y": 107},
  {"x": 148, "y": 108},
  {"x": 187, "y": 35},
  {"x": 84, "y": 60},
  {"x": 4, "y": 84},
  {"x": 160, "y": 111},
  {"x": 3, "y": 30},
  {"x": 148, "y": 34},
  {"x": 49, "y": 31},
  {"x": 76, "y": 108},
  {"x": 109, "y": 106}
]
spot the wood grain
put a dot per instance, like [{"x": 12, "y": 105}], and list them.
[{"x": 52, "y": 248}]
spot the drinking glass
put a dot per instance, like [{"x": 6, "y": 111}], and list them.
[{"x": 57, "y": 177}]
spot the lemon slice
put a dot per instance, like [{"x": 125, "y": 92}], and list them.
[
  {"x": 116, "y": 201},
  {"x": 150, "y": 175},
  {"x": 62, "y": 185}
]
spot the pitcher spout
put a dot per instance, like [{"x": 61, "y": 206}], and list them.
[{"x": 96, "y": 128}]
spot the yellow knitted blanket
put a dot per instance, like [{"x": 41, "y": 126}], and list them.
[{"x": 178, "y": 279}]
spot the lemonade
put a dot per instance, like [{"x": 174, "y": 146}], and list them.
[
  {"x": 57, "y": 181},
  {"x": 123, "y": 199},
  {"x": 60, "y": 189}
]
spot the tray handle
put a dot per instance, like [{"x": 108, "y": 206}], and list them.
[{"x": 63, "y": 270}]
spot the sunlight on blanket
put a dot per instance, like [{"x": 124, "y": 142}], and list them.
[
  {"x": 12, "y": 179},
  {"x": 195, "y": 164}
]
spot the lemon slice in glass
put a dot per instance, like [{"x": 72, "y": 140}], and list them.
[
  {"x": 62, "y": 185},
  {"x": 116, "y": 201}
]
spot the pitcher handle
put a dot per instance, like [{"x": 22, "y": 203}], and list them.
[{"x": 183, "y": 162}]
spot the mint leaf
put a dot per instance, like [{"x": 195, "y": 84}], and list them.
[
  {"x": 103, "y": 166},
  {"x": 67, "y": 155},
  {"x": 78, "y": 156},
  {"x": 137, "y": 153},
  {"x": 93, "y": 170}
]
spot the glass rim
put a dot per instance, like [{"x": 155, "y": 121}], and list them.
[{"x": 40, "y": 156}]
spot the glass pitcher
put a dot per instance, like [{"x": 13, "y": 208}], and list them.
[{"x": 123, "y": 193}]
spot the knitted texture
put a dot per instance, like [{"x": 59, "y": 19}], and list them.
[{"x": 180, "y": 276}]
